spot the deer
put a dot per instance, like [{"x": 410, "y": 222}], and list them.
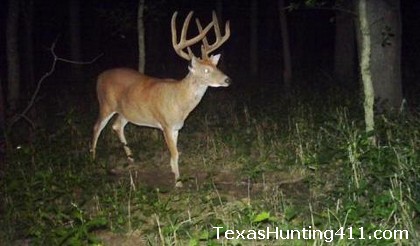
[{"x": 161, "y": 103}]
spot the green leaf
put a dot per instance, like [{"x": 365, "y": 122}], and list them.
[
  {"x": 263, "y": 216},
  {"x": 193, "y": 242},
  {"x": 204, "y": 235}
]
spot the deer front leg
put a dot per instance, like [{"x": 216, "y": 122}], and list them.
[
  {"x": 171, "y": 138},
  {"x": 118, "y": 127}
]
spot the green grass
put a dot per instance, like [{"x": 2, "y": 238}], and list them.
[{"x": 247, "y": 165}]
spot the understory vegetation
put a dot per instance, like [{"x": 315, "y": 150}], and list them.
[{"x": 247, "y": 164}]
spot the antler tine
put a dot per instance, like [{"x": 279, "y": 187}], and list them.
[
  {"x": 185, "y": 26},
  {"x": 205, "y": 42},
  {"x": 175, "y": 45},
  {"x": 206, "y": 49},
  {"x": 183, "y": 42}
]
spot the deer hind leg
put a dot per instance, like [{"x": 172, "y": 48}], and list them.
[
  {"x": 171, "y": 138},
  {"x": 118, "y": 127},
  {"x": 103, "y": 119}
]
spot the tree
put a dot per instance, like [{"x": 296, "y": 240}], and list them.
[
  {"x": 253, "y": 49},
  {"x": 75, "y": 37},
  {"x": 28, "y": 66},
  {"x": 141, "y": 36},
  {"x": 13, "y": 75},
  {"x": 380, "y": 50},
  {"x": 365, "y": 62},
  {"x": 2, "y": 131},
  {"x": 344, "y": 44},
  {"x": 385, "y": 23},
  {"x": 287, "y": 60},
  {"x": 219, "y": 9}
]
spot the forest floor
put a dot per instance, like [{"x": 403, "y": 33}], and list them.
[{"x": 252, "y": 164}]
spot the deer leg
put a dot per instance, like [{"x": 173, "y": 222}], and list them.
[
  {"x": 118, "y": 127},
  {"x": 97, "y": 129},
  {"x": 171, "y": 138}
]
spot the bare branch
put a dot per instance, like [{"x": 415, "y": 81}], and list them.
[
  {"x": 79, "y": 62},
  {"x": 31, "y": 102}
]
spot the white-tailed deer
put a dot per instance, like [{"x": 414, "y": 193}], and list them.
[{"x": 161, "y": 103}]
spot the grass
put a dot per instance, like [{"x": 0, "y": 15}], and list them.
[{"x": 297, "y": 163}]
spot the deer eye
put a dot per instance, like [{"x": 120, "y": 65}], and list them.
[{"x": 206, "y": 70}]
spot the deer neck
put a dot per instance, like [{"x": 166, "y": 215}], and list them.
[
  {"x": 195, "y": 87},
  {"x": 193, "y": 90}
]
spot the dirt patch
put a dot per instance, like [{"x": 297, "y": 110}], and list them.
[
  {"x": 227, "y": 182},
  {"x": 129, "y": 239}
]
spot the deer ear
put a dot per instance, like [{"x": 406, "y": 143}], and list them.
[
  {"x": 193, "y": 64},
  {"x": 215, "y": 59}
]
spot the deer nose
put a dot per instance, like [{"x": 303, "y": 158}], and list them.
[{"x": 228, "y": 81}]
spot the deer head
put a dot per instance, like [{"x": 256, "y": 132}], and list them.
[{"x": 204, "y": 68}]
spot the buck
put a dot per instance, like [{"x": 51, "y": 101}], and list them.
[{"x": 161, "y": 103}]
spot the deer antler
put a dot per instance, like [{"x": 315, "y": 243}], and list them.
[
  {"x": 206, "y": 49},
  {"x": 184, "y": 42}
]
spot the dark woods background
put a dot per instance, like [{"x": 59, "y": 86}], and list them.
[
  {"x": 254, "y": 155},
  {"x": 252, "y": 56}
]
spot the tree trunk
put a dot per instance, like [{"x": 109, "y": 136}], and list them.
[
  {"x": 253, "y": 52},
  {"x": 2, "y": 134},
  {"x": 219, "y": 9},
  {"x": 75, "y": 37},
  {"x": 287, "y": 60},
  {"x": 385, "y": 23},
  {"x": 344, "y": 50},
  {"x": 13, "y": 64},
  {"x": 28, "y": 70},
  {"x": 141, "y": 36},
  {"x": 365, "y": 65},
  {"x": 28, "y": 44}
]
